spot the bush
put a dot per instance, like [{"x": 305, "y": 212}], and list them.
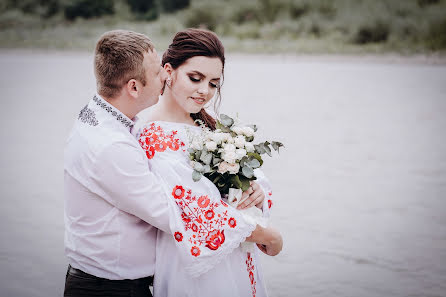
[
  {"x": 202, "y": 16},
  {"x": 141, "y": 6},
  {"x": 174, "y": 5},
  {"x": 436, "y": 37},
  {"x": 88, "y": 9},
  {"x": 372, "y": 34}
]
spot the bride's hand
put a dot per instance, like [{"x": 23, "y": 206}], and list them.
[{"x": 256, "y": 197}]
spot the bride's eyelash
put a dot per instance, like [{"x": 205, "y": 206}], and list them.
[{"x": 193, "y": 79}]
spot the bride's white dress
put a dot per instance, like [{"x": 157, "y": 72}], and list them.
[{"x": 201, "y": 256}]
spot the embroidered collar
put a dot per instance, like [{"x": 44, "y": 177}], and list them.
[{"x": 113, "y": 111}]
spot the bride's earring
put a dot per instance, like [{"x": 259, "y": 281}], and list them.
[{"x": 169, "y": 82}]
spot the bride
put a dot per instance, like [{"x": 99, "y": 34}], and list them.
[{"x": 202, "y": 254}]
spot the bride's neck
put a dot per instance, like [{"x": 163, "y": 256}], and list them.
[{"x": 168, "y": 110}]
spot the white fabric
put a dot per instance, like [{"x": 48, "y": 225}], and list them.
[
  {"x": 112, "y": 200},
  {"x": 192, "y": 262}
]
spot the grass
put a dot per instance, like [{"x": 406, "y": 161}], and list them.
[{"x": 258, "y": 26}]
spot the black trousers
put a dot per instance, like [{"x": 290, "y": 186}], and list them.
[{"x": 81, "y": 284}]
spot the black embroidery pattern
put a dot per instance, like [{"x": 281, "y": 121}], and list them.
[
  {"x": 113, "y": 112},
  {"x": 88, "y": 116}
]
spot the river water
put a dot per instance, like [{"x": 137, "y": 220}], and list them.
[{"x": 359, "y": 189}]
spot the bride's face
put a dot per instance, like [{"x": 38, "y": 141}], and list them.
[{"x": 195, "y": 82}]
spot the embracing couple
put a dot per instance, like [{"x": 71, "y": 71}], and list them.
[{"x": 133, "y": 214}]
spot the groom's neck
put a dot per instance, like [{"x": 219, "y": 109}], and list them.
[{"x": 122, "y": 104}]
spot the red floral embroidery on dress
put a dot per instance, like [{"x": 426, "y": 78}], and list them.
[
  {"x": 195, "y": 251},
  {"x": 250, "y": 268},
  {"x": 153, "y": 139},
  {"x": 178, "y": 236},
  {"x": 204, "y": 218},
  {"x": 232, "y": 223},
  {"x": 270, "y": 202}
]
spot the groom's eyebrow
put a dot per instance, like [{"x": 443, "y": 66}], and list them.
[{"x": 202, "y": 75}]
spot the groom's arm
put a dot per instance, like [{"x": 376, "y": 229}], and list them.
[{"x": 123, "y": 178}]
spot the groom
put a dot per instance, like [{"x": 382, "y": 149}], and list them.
[{"x": 113, "y": 202}]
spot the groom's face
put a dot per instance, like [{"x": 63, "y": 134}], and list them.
[{"x": 155, "y": 78}]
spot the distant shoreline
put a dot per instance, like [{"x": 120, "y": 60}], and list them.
[{"x": 385, "y": 58}]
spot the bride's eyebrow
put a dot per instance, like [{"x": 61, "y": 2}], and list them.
[{"x": 202, "y": 75}]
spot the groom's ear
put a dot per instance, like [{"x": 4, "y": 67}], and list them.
[{"x": 132, "y": 88}]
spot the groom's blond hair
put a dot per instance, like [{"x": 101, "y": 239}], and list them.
[{"x": 119, "y": 58}]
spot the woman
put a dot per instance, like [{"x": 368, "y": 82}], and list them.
[{"x": 202, "y": 256}]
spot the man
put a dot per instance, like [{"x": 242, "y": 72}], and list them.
[{"x": 113, "y": 202}]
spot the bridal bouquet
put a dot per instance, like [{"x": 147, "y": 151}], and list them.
[{"x": 228, "y": 155}]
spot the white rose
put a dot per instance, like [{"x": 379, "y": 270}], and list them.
[
  {"x": 237, "y": 130},
  {"x": 196, "y": 144},
  {"x": 229, "y": 157},
  {"x": 228, "y": 138},
  {"x": 240, "y": 153},
  {"x": 249, "y": 147},
  {"x": 233, "y": 168},
  {"x": 248, "y": 131},
  {"x": 229, "y": 147},
  {"x": 239, "y": 141},
  {"x": 211, "y": 146},
  {"x": 218, "y": 137},
  {"x": 223, "y": 167}
]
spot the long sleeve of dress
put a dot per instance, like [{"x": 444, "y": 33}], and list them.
[{"x": 205, "y": 228}]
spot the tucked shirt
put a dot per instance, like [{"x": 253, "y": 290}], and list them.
[{"x": 113, "y": 203}]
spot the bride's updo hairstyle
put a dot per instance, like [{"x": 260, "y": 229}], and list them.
[{"x": 191, "y": 43}]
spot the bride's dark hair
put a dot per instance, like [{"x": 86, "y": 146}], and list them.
[{"x": 196, "y": 42}]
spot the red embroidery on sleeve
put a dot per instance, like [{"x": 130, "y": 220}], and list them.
[
  {"x": 250, "y": 268},
  {"x": 153, "y": 139},
  {"x": 206, "y": 219},
  {"x": 270, "y": 203}
]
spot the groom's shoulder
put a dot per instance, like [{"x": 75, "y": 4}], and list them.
[{"x": 94, "y": 141}]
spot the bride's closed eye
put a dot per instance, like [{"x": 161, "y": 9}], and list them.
[{"x": 194, "y": 79}]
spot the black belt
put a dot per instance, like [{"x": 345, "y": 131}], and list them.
[{"x": 139, "y": 281}]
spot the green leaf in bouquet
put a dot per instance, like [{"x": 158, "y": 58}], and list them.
[
  {"x": 206, "y": 158},
  {"x": 243, "y": 161},
  {"x": 267, "y": 148},
  {"x": 206, "y": 168},
  {"x": 247, "y": 171},
  {"x": 254, "y": 163},
  {"x": 256, "y": 156},
  {"x": 245, "y": 182},
  {"x": 236, "y": 182},
  {"x": 276, "y": 145},
  {"x": 249, "y": 138},
  {"x": 225, "y": 129},
  {"x": 196, "y": 176},
  {"x": 216, "y": 160},
  {"x": 197, "y": 155},
  {"x": 226, "y": 120},
  {"x": 259, "y": 148}
]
